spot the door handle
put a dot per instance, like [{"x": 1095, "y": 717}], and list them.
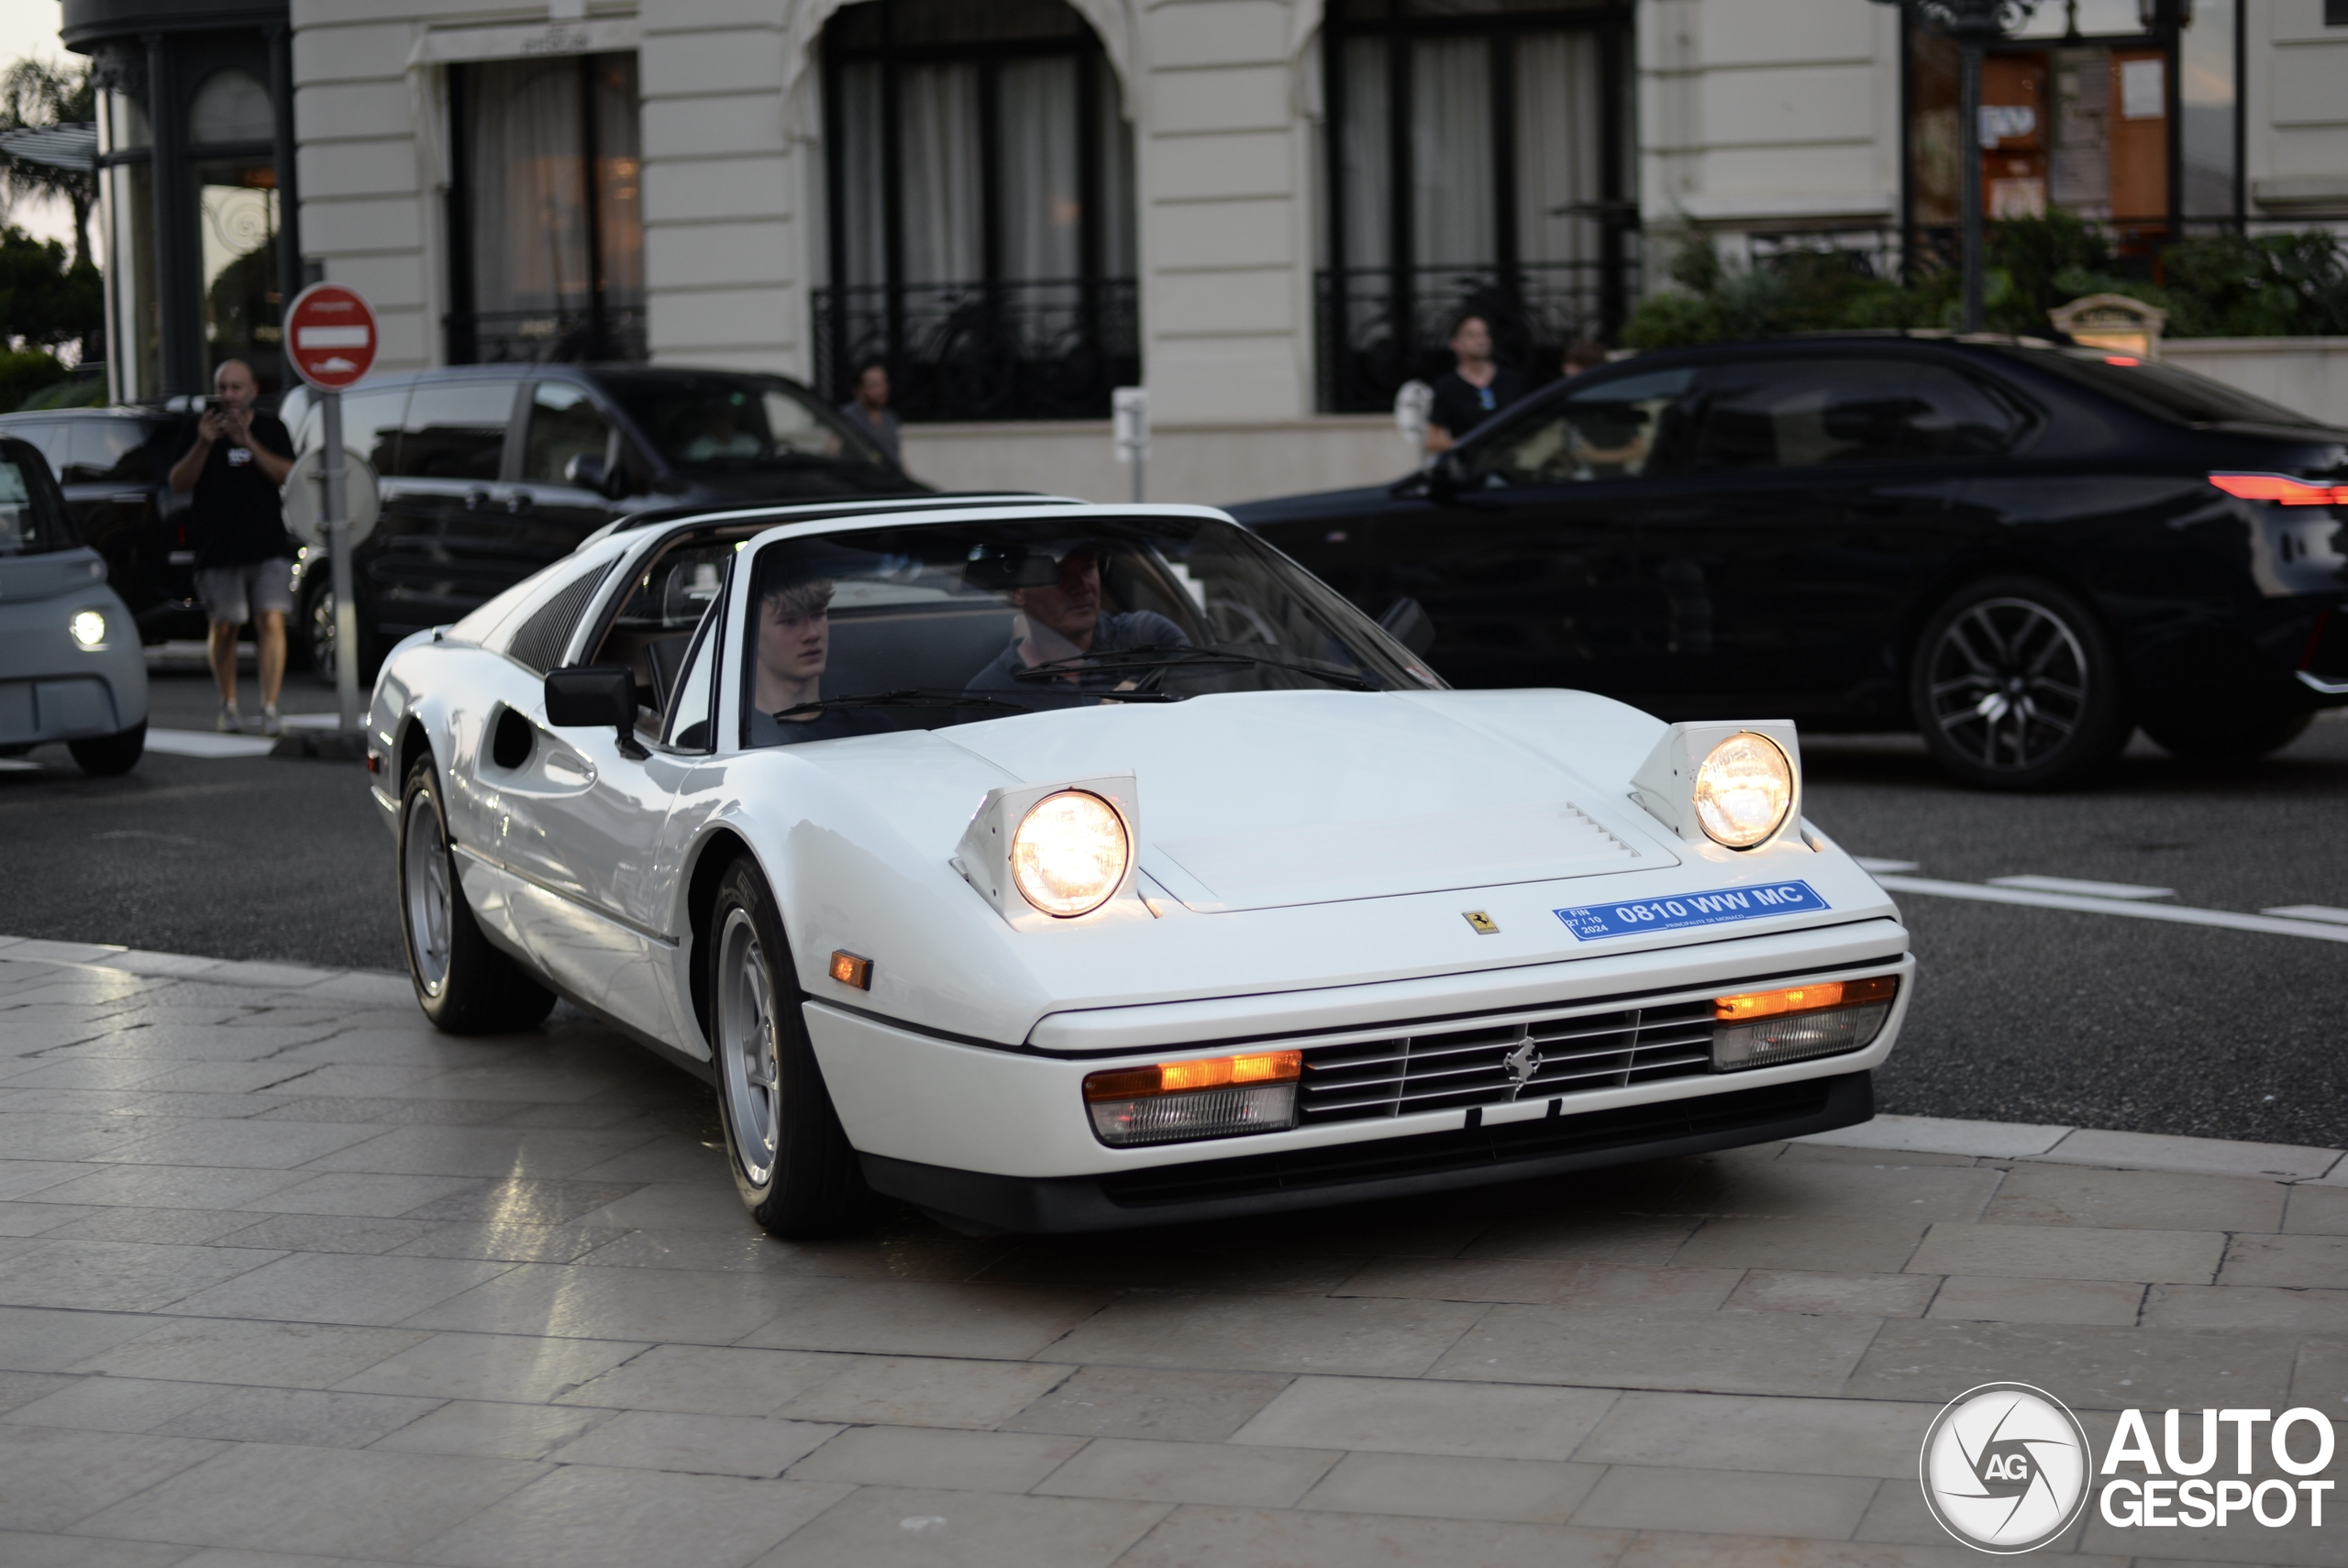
[
  {"x": 475, "y": 499},
  {"x": 520, "y": 501}
]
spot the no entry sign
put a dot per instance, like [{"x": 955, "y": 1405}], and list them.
[{"x": 330, "y": 336}]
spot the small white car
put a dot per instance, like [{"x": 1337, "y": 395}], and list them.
[
  {"x": 1062, "y": 868},
  {"x": 71, "y": 668}
]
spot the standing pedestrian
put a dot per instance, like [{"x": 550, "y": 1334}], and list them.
[
  {"x": 1474, "y": 390},
  {"x": 869, "y": 410},
  {"x": 244, "y": 566}
]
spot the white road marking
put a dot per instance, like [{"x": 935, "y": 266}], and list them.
[
  {"x": 2227, "y": 918},
  {"x": 18, "y": 765},
  {"x": 205, "y": 742},
  {"x": 1871, "y": 864},
  {"x": 2076, "y": 885},
  {"x": 2311, "y": 911}
]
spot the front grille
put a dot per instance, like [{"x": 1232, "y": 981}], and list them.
[{"x": 1448, "y": 1068}]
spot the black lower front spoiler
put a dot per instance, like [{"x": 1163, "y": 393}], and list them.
[{"x": 979, "y": 1203}]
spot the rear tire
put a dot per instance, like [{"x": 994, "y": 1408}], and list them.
[
  {"x": 792, "y": 1164},
  {"x": 464, "y": 985},
  {"x": 2014, "y": 686},
  {"x": 102, "y": 757},
  {"x": 2225, "y": 738},
  {"x": 315, "y": 635}
]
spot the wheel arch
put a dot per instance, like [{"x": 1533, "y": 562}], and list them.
[
  {"x": 718, "y": 850},
  {"x": 414, "y": 744}
]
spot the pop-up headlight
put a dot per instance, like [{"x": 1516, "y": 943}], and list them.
[{"x": 1734, "y": 785}]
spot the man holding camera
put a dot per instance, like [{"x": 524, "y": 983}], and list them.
[{"x": 244, "y": 566}]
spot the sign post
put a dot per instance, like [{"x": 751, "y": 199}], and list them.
[
  {"x": 330, "y": 339},
  {"x": 1130, "y": 407}
]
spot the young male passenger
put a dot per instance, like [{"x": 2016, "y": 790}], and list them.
[
  {"x": 795, "y": 643},
  {"x": 1065, "y": 621}
]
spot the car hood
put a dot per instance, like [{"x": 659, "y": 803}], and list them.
[
  {"x": 1313, "y": 505},
  {"x": 1259, "y": 800}
]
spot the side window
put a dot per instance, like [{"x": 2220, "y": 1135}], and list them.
[
  {"x": 107, "y": 451},
  {"x": 693, "y": 710},
  {"x": 1842, "y": 412},
  {"x": 1617, "y": 429},
  {"x": 456, "y": 430},
  {"x": 652, "y": 632},
  {"x": 31, "y": 521},
  {"x": 371, "y": 426},
  {"x": 564, "y": 424}
]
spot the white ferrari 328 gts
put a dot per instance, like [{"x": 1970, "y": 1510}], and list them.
[{"x": 1059, "y": 868}]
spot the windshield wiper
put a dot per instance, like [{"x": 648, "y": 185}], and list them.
[{"x": 1161, "y": 656}]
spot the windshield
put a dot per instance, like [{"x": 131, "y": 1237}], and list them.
[
  {"x": 924, "y": 625},
  {"x": 2169, "y": 392},
  {"x": 721, "y": 421},
  {"x": 31, "y": 520}
]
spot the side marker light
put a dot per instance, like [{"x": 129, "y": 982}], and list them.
[{"x": 850, "y": 970}]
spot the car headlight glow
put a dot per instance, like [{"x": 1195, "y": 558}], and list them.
[
  {"x": 1744, "y": 791},
  {"x": 88, "y": 627},
  {"x": 1069, "y": 852}
]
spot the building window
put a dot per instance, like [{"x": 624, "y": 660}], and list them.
[
  {"x": 981, "y": 211},
  {"x": 1478, "y": 156},
  {"x": 2126, "y": 113},
  {"x": 546, "y": 216}
]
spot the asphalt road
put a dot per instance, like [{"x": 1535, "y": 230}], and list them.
[{"x": 2020, "y": 1015}]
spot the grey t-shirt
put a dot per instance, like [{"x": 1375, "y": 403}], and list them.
[{"x": 1111, "y": 634}]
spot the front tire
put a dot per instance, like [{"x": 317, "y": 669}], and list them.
[
  {"x": 2225, "y": 739},
  {"x": 464, "y": 985},
  {"x": 791, "y": 1163},
  {"x": 2015, "y": 687},
  {"x": 102, "y": 757}
]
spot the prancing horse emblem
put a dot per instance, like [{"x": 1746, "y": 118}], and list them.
[{"x": 1521, "y": 1063}]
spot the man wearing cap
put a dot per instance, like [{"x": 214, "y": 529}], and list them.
[{"x": 1064, "y": 620}]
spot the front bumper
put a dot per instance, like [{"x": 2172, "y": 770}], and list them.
[
  {"x": 52, "y": 688},
  {"x": 979, "y": 1202}
]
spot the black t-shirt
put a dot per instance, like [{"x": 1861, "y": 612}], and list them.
[
  {"x": 1459, "y": 407},
  {"x": 236, "y": 516}
]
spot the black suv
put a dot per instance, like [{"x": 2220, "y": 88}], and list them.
[
  {"x": 113, "y": 463},
  {"x": 487, "y": 473},
  {"x": 2021, "y": 551}
]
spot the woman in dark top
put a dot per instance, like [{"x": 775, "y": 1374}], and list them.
[{"x": 1473, "y": 392}]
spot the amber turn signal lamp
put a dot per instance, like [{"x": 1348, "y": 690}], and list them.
[
  {"x": 850, "y": 970},
  {"x": 1208, "y": 1072},
  {"x": 1804, "y": 998},
  {"x": 2281, "y": 489}
]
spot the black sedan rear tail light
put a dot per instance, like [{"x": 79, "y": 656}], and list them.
[{"x": 2281, "y": 489}]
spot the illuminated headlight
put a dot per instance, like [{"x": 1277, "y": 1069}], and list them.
[
  {"x": 1069, "y": 852},
  {"x": 1215, "y": 1097},
  {"x": 1762, "y": 1029},
  {"x": 1744, "y": 791},
  {"x": 88, "y": 628}
]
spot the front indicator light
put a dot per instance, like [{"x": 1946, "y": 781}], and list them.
[
  {"x": 2281, "y": 489},
  {"x": 88, "y": 628},
  {"x": 1744, "y": 791},
  {"x": 1215, "y": 1097},
  {"x": 1762, "y": 1029},
  {"x": 1069, "y": 852}
]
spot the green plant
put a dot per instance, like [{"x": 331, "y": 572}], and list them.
[
  {"x": 43, "y": 300},
  {"x": 24, "y": 372},
  {"x": 37, "y": 94}
]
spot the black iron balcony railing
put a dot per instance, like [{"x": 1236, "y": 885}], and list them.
[
  {"x": 613, "y": 333},
  {"x": 1048, "y": 349},
  {"x": 1380, "y": 326}
]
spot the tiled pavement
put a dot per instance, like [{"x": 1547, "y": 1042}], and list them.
[{"x": 288, "y": 1279}]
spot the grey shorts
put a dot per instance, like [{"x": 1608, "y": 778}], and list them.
[{"x": 235, "y": 594}]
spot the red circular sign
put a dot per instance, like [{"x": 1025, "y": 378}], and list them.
[{"x": 330, "y": 336}]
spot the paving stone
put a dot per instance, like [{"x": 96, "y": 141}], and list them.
[
  {"x": 23, "y": 1178},
  {"x": 1195, "y": 1537},
  {"x": 2317, "y": 1210},
  {"x": 330, "y": 1501},
  {"x": 1802, "y": 1151},
  {"x": 912, "y": 1318},
  {"x": 655, "y": 1306},
  {"x": 930, "y": 1456},
  {"x": 326, "y": 1233},
  {"x": 2213, "y": 1156},
  {"x": 2247, "y": 1307},
  {"x": 20, "y": 1389},
  {"x": 1876, "y": 1295},
  {"x": 289, "y": 1355},
  {"x": 2001, "y": 1140},
  {"x": 353, "y": 1192},
  {"x": 22, "y": 1550},
  {"x": 917, "y": 1391},
  {"x": 169, "y": 1187},
  {"x": 2321, "y": 1375},
  {"x": 586, "y": 1518},
  {"x": 917, "y": 1250},
  {"x": 33, "y": 1218},
  {"x": 492, "y": 1431},
  {"x": 507, "y": 1243},
  {"x": 270, "y": 1145},
  {"x": 528, "y": 1203},
  {"x": 307, "y": 1417},
  {"x": 889, "y": 1527},
  {"x": 1366, "y": 1337},
  {"x": 120, "y": 1276},
  {"x": 1929, "y": 1361},
  {"x": 1638, "y": 1239},
  {"x": 314, "y": 1287},
  {"x": 1150, "y": 1402},
  {"x": 1458, "y": 1280},
  {"x": 490, "y": 1366},
  {"x": 670, "y": 1206},
  {"x": 115, "y": 1405},
  {"x": 61, "y": 1135},
  {"x": 2073, "y": 1251},
  {"x": 1658, "y": 1549},
  {"x": 1447, "y": 1486},
  {"x": 1987, "y": 1298},
  {"x": 1727, "y": 1502},
  {"x": 1423, "y": 1415},
  {"x": 2307, "y": 1262},
  {"x": 745, "y": 1253},
  {"x": 1806, "y": 1437},
  {"x": 1190, "y": 1473},
  {"x": 2039, "y": 1194},
  {"x": 663, "y": 1159},
  {"x": 57, "y": 1477},
  {"x": 703, "y": 1445},
  {"x": 1833, "y": 1246},
  {"x": 386, "y": 1109},
  {"x": 504, "y": 1152},
  {"x": 707, "y": 1380},
  {"x": 1725, "y": 1353}
]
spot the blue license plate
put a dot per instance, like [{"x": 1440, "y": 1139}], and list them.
[{"x": 1593, "y": 923}]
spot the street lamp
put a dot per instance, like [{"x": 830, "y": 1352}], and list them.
[{"x": 1974, "y": 25}]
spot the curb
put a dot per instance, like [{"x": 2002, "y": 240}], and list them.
[{"x": 1891, "y": 1134}]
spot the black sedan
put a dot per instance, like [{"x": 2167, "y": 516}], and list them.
[{"x": 2021, "y": 551}]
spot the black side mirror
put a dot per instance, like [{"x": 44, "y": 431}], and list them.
[
  {"x": 585, "y": 472},
  {"x": 586, "y": 696},
  {"x": 1407, "y": 622}
]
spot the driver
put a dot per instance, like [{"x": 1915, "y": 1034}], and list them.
[
  {"x": 1065, "y": 621},
  {"x": 794, "y": 642}
]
